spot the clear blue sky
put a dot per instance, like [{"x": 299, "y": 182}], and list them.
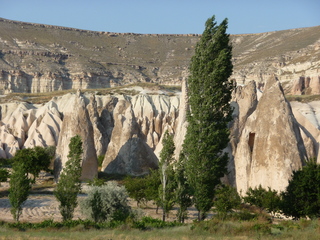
[{"x": 165, "y": 16}]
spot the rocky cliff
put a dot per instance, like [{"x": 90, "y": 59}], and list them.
[
  {"x": 43, "y": 58},
  {"x": 270, "y": 137},
  {"x": 270, "y": 146},
  {"x": 127, "y": 129}
]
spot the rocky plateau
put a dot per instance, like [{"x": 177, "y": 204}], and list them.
[{"x": 269, "y": 136}]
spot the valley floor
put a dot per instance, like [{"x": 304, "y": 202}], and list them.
[{"x": 44, "y": 206}]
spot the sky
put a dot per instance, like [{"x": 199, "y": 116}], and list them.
[{"x": 165, "y": 16}]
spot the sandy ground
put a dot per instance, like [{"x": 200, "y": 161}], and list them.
[{"x": 41, "y": 207}]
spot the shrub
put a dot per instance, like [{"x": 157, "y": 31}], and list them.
[
  {"x": 262, "y": 198},
  {"x": 100, "y": 160},
  {"x": 226, "y": 199},
  {"x": 106, "y": 203},
  {"x": 4, "y": 175},
  {"x": 149, "y": 223},
  {"x": 302, "y": 195},
  {"x": 96, "y": 182}
]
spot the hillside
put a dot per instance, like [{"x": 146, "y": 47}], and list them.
[{"x": 43, "y": 58}]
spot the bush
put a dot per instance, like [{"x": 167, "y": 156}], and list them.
[
  {"x": 149, "y": 223},
  {"x": 262, "y": 198},
  {"x": 106, "y": 203},
  {"x": 227, "y": 198},
  {"x": 4, "y": 175},
  {"x": 96, "y": 182},
  {"x": 302, "y": 195}
]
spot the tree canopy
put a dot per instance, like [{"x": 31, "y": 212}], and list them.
[
  {"x": 302, "y": 195},
  {"x": 69, "y": 184},
  {"x": 210, "y": 112}
]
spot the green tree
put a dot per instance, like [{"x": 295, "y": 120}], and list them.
[
  {"x": 226, "y": 199},
  {"x": 183, "y": 191},
  {"x": 268, "y": 200},
  {"x": 302, "y": 195},
  {"x": 210, "y": 112},
  {"x": 152, "y": 187},
  {"x": 4, "y": 175},
  {"x": 20, "y": 186},
  {"x": 33, "y": 160},
  {"x": 137, "y": 188},
  {"x": 166, "y": 174},
  {"x": 69, "y": 184}
]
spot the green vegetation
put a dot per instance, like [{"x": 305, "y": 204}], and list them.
[
  {"x": 167, "y": 186},
  {"x": 183, "y": 189},
  {"x": 235, "y": 227},
  {"x": 4, "y": 175},
  {"x": 106, "y": 203},
  {"x": 268, "y": 200},
  {"x": 26, "y": 161},
  {"x": 19, "y": 190},
  {"x": 69, "y": 184},
  {"x": 33, "y": 160},
  {"x": 144, "y": 189},
  {"x": 302, "y": 196},
  {"x": 209, "y": 97},
  {"x": 226, "y": 199}
]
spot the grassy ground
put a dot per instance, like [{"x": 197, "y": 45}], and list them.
[{"x": 212, "y": 229}]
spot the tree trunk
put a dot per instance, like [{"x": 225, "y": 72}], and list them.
[{"x": 163, "y": 215}]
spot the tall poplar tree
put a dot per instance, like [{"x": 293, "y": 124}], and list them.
[
  {"x": 166, "y": 173},
  {"x": 69, "y": 185},
  {"x": 209, "y": 114}
]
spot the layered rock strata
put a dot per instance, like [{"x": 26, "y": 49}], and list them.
[{"x": 66, "y": 58}]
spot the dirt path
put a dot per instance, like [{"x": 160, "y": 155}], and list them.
[{"x": 41, "y": 207}]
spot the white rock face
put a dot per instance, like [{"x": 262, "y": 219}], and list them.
[
  {"x": 127, "y": 152},
  {"x": 76, "y": 121},
  {"x": 126, "y": 129},
  {"x": 308, "y": 116},
  {"x": 270, "y": 145},
  {"x": 266, "y": 142}
]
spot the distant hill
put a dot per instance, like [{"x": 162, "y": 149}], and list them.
[{"x": 42, "y": 58}]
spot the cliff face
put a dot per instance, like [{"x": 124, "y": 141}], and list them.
[
  {"x": 42, "y": 58},
  {"x": 127, "y": 129},
  {"x": 270, "y": 146},
  {"x": 269, "y": 137}
]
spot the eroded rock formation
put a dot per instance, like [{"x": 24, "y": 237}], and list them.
[
  {"x": 270, "y": 145},
  {"x": 269, "y": 137},
  {"x": 126, "y": 129}
]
